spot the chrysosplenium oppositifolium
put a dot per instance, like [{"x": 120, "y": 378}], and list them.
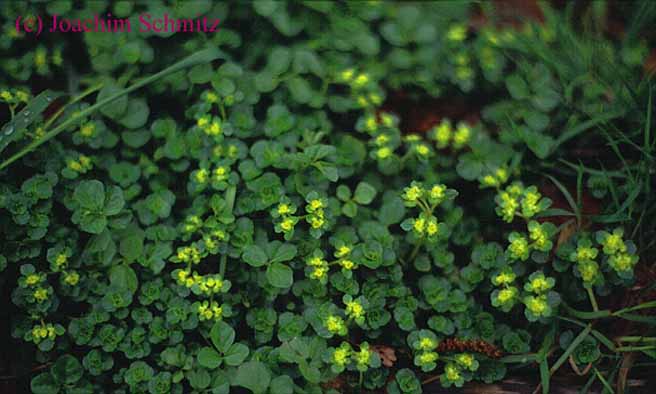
[{"x": 255, "y": 218}]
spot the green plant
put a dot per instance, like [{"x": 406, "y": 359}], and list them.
[{"x": 257, "y": 215}]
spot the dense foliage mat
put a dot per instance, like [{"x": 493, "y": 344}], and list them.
[{"x": 247, "y": 210}]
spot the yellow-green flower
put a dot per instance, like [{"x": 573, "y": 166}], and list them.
[
  {"x": 505, "y": 277},
  {"x": 33, "y": 279},
  {"x": 40, "y": 57},
  {"x": 203, "y": 121},
  {"x": 354, "y": 309},
  {"x": 422, "y": 150},
  {"x": 612, "y": 242},
  {"x": 287, "y": 224},
  {"x": 457, "y": 32},
  {"x": 88, "y": 130},
  {"x": 40, "y": 295},
  {"x": 347, "y": 264},
  {"x": 363, "y": 356},
  {"x": 623, "y": 262},
  {"x": 381, "y": 140},
  {"x": 370, "y": 123},
  {"x": 211, "y": 97},
  {"x": 361, "y": 80},
  {"x": 413, "y": 193},
  {"x": 315, "y": 204},
  {"x": 202, "y": 175},
  {"x": 539, "y": 284},
  {"x": 507, "y": 295},
  {"x": 347, "y": 75},
  {"x": 74, "y": 165},
  {"x": 383, "y": 153},
  {"x": 209, "y": 311},
  {"x": 283, "y": 209},
  {"x": 342, "y": 354},
  {"x": 342, "y": 251},
  {"x": 537, "y": 305},
  {"x": 213, "y": 129},
  {"x": 466, "y": 360},
  {"x": 419, "y": 225},
  {"x": 316, "y": 222},
  {"x": 221, "y": 173},
  {"x": 586, "y": 253},
  {"x": 189, "y": 254},
  {"x": 589, "y": 271},
  {"x": 461, "y": 136},
  {"x": 508, "y": 205},
  {"x": 530, "y": 202},
  {"x": 432, "y": 227},
  {"x": 71, "y": 278},
  {"x": 452, "y": 372},
  {"x": 518, "y": 248},
  {"x": 426, "y": 344},
  {"x": 6, "y": 95},
  {"x": 442, "y": 134},
  {"x": 319, "y": 273},
  {"x": 335, "y": 325},
  {"x": 428, "y": 357},
  {"x": 538, "y": 235}
]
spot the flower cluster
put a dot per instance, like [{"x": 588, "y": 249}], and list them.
[
  {"x": 425, "y": 227},
  {"x": 541, "y": 300},
  {"x": 285, "y": 221},
  {"x": 345, "y": 356},
  {"x": 218, "y": 178},
  {"x": 210, "y": 125},
  {"x": 424, "y": 343},
  {"x": 538, "y": 239},
  {"x": 44, "y": 335},
  {"x": 517, "y": 200},
  {"x": 75, "y": 167},
  {"x": 336, "y": 325},
  {"x": 316, "y": 213},
  {"x": 188, "y": 254},
  {"x": 495, "y": 179},
  {"x": 446, "y": 136},
  {"x": 317, "y": 267},
  {"x": 209, "y": 310},
  {"x": 355, "y": 308},
  {"x": 619, "y": 254},
  {"x": 207, "y": 285},
  {"x": 506, "y": 297},
  {"x": 364, "y": 90}
]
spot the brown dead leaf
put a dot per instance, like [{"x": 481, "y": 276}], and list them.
[{"x": 386, "y": 353}]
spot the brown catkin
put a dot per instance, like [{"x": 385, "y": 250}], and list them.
[{"x": 475, "y": 346}]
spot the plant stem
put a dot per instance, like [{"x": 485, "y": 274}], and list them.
[
  {"x": 645, "y": 305},
  {"x": 636, "y": 339},
  {"x": 593, "y": 299},
  {"x": 570, "y": 349},
  {"x": 414, "y": 252},
  {"x": 635, "y": 348},
  {"x": 73, "y": 101}
]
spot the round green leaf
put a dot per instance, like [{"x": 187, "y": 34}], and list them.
[
  {"x": 209, "y": 358},
  {"x": 254, "y": 376},
  {"x": 67, "y": 370},
  {"x": 255, "y": 256},
  {"x": 280, "y": 275}
]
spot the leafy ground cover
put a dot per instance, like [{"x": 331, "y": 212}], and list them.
[{"x": 327, "y": 197}]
